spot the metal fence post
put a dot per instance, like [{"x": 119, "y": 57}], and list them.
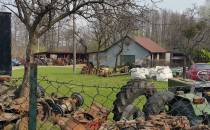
[{"x": 33, "y": 97}]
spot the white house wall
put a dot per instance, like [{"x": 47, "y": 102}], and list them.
[
  {"x": 168, "y": 57},
  {"x": 108, "y": 57}
]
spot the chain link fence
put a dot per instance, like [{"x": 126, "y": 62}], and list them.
[{"x": 55, "y": 105}]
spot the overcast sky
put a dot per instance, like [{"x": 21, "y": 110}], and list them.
[{"x": 179, "y": 5}]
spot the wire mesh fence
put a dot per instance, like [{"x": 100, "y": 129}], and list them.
[{"x": 74, "y": 106}]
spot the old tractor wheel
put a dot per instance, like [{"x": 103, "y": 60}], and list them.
[
  {"x": 184, "y": 108},
  {"x": 130, "y": 113},
  {"x": 133, "y": 90},
  {"x": 158, "y": 103}
]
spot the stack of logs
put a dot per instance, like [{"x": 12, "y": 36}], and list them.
[
  {"x": 102, "y": 71},
  {"x": 88, "y": 69}
]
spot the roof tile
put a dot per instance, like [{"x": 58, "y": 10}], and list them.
[{"x": 149, "y": 44}]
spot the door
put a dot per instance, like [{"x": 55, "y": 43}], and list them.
[{"x": 127, "y": 59}]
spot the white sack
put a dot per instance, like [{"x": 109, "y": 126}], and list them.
[
  {"x": 138, "y": 73},
  {"x": 163, "y": 73},
  {"x": 152, "y": 73}
]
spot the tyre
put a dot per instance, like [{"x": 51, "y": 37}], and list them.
[
  {"x": 130, "y": 113},
  {"x": 128, "y": 94},
  {"x": 184, "y": 108},
  {"x": 157, "y": 103}
]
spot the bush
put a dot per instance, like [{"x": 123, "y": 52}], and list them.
[{"x": 203, "y": 55}]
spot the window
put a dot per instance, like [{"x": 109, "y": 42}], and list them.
[{"x": 162, "y": 56}]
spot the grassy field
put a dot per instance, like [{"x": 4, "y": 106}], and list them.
[{"x": 63, "y": 82}]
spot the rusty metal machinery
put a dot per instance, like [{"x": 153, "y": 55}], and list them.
[
  {"x": 90, "y": 119},
  {"x": 17, "y": 110},
  {"x": 65, "y": 105},
  {"x": 66, "y": 113}
]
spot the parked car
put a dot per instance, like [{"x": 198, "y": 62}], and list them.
[
  {"x": 15, "y": 62},
  {"x": 192, "y": 73}
]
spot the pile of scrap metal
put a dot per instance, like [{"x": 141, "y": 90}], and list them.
[
  {"x": 16, "y": 112},
  {"x": 66, "y": 113},
  {"x": 160, "y": 122},
  {"x": 95, "y": 118},
  {"x": 90, "y": 119}
]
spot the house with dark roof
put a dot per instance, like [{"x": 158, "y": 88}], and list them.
[{"x": 132, "y": 50}]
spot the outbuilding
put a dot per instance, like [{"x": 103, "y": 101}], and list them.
[{"x": 132, "y": 50}]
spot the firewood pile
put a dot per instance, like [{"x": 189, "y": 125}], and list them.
[
  {"x": 104, "y": 72},
  {"x": 88, "y": 69}
]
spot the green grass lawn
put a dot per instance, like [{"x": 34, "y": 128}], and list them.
[
  {"x": 93, "y": 88},
  {"x": 65, "y": 74},
  {"x": 63, "y": 82}
]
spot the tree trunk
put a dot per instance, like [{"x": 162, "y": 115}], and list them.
[
  {"x": 97, "y": 59},
  {"x": 117, "y": 56},
  {"x": 115, "y": 66},
  {"x": 97, "y": 62},
  {"x": 74, "y": 43},
  {"x": 29, "y": 59}
]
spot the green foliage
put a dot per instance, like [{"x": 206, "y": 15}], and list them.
[{"x": 203, "y": 55}]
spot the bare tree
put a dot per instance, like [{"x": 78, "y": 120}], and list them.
[
  {"x": 107, "y": 29},
  {"x": 127, "y": 24},
  {"x": 40, "y": 15},
  {"x": 101, "y": 37}
]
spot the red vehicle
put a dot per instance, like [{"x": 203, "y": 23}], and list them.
[{"x": 192, "y": 73}]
